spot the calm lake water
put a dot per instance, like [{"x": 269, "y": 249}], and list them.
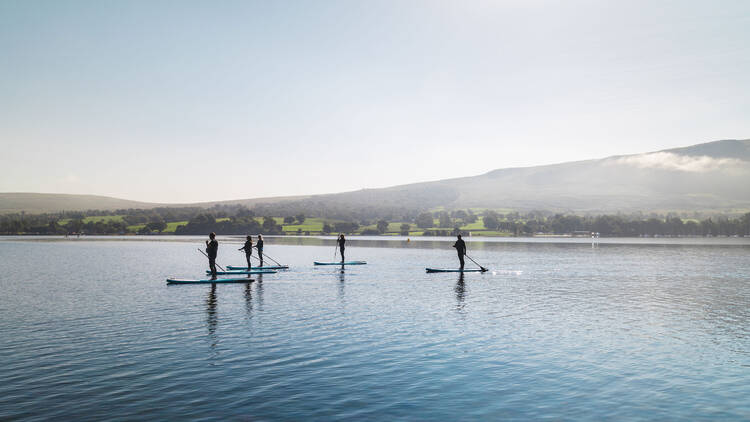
[{"x": 628, "y": 330}]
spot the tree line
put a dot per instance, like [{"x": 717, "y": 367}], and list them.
[
  {"x": 237, "y": 219},
  {"x": 540, "y": 222}
]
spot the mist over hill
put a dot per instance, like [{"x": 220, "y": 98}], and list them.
[
  {"x": 712, "y": 176},
  {"x": 708, "y": 177}
]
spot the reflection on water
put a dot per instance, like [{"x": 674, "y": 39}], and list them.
[
  {"x": 259, "y": 291},
  {"x": 460, "y": 292},
  {"x": 249, "y": 299},
  {"x": 555, "y": 331},
  {"x": 211, "y": 315},
  {"x": 342, "y": 280},
  {"x": 480, "y": 243}
]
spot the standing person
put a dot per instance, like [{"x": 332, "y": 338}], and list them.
[
  {"x": 259, "y": 246},
  {"x": 248, "y": 248},
  {"x": 461, "y": 249},
  {"x": 341, "y": 241},
  {"x": 212, "y": 247}
]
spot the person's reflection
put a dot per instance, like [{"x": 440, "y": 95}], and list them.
[
  {"x": 259, "y": 291},
  {"x": 460, "y": 292},
  {"x": 211, "y": 316},
  {"x": 249, "y": 299},
  {"x": 342, "y": 279}
]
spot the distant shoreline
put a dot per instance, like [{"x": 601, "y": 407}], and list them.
[{"x": 403, "y": 241}]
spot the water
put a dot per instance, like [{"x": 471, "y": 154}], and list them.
[{"x": 559, "y": 330}]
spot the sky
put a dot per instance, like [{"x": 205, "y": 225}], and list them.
[{"x": 187, "y": 101}]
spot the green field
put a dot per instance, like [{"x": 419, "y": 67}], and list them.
[
  {"x": 477, "y": 225},
  {"x": 278, "y": 220},
  {"x": 396, "y": 227},
  {"x": 95, "y": 219},
  {"x": 309, "y": 225},
  {"x": 314, "y": 225},
  {"x": 172, "y": 226}
]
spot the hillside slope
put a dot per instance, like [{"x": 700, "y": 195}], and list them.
[
  {"x": 709, "y": 176},
  {"x": 712, "y": 176}
]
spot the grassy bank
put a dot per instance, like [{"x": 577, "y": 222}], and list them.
[{"x": 314, "y": 226}]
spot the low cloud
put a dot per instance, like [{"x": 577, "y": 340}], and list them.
[{"x": 671, "y": 161}]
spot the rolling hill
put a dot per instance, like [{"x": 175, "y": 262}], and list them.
[
  {"x": 712, "y": 176},
  {"x": 12, "y": 202}
]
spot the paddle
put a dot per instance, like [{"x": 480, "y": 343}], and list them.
[
  {"x": 274, "y": 261},
  {"x": 481, "y": 267},
  {"x": 220, "y": 267}
]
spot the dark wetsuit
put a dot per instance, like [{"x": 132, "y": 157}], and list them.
[
  {"x": 212, "y": 248},
  {"x": 341, "y": 241},
  {"x": 461, "y": 249},
  {"x": 259, "y": 245},
  {"x": 248, "y": 248}
]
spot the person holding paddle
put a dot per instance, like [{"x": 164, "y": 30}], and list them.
[
  {"x": 461, "y": 249},
  {"x": 259, "y": 247},
  {"x": 248, "y": 248},
  {"x": 212, "y": 248},
  {"x": 341, "y": 241}
]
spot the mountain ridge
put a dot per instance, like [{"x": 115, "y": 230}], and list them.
[{"x": 706, "y": 176}]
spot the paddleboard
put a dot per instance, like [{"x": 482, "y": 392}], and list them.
[
  {"x": 265, "y": 267},
  {"x": 242, "y": 272},
  {"x": 454, "y": 270},
  {"x": 218, "y": 280},
  {"x": 341, "y": 263}
]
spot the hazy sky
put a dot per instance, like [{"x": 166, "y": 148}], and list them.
[{"x": 178, "y": 101}]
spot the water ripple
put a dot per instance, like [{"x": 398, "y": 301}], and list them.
[{"x": 556, "y": 332}]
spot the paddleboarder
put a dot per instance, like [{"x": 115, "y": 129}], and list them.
[
  {"x": 341, "y": 241},
  {"x": 259, "y": 246},
  {"x": 461, "y": 249},
  {"x": 212, "y": 247},
  {"x": 248, "y": 248}
]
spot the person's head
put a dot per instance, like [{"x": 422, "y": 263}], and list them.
[
  {"x": 341, "y": 236},
  {"x": 459, "y": 236},
  {"x": 212, "y": 235},
  {"x": 260, "y": 237},
  {"x": 249, "y": 238}
]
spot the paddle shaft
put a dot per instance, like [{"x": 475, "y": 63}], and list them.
[
  {"x": 264, "y": 254},
  {"x": 483, "y": 269},
  {"x": 220, "y": 267}
]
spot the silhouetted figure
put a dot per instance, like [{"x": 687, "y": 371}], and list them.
[
  {"x": 259, "y": 246},
  {"x": 248, "y": 248},
  {"x": 212, "y": 247},
  {"x": 461, "y": 249},
  {"x": 341, "y": 241}
]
